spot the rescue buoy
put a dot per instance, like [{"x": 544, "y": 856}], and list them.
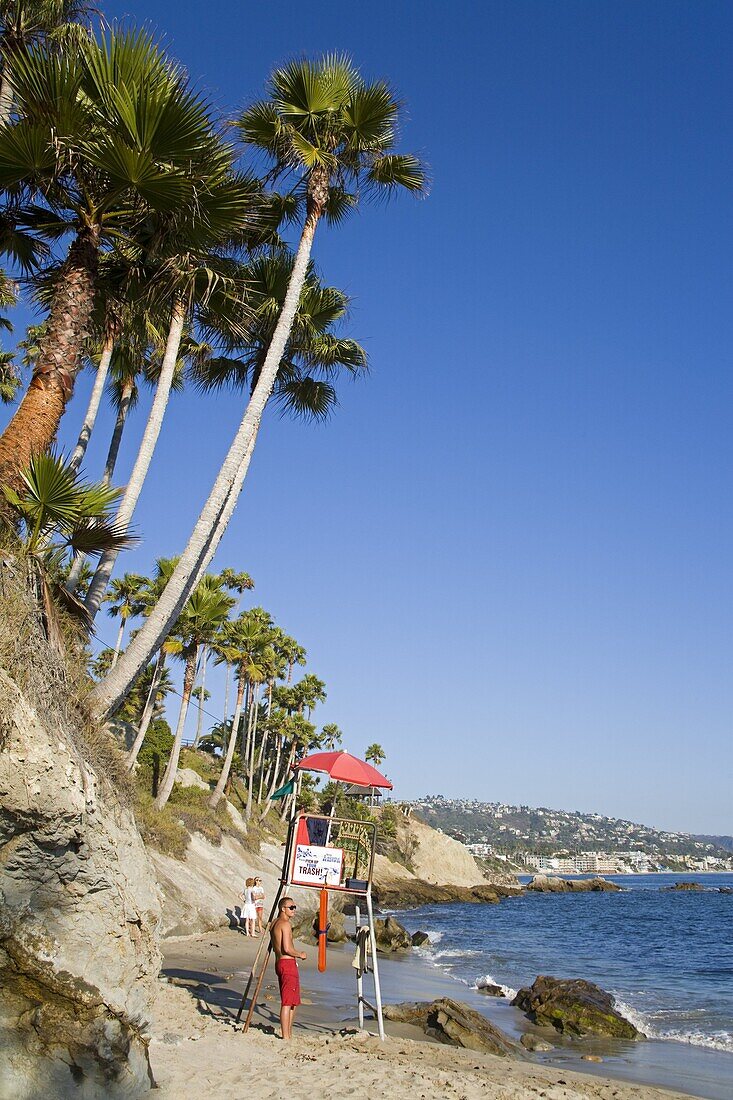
[{"x": 322, "y": 930}]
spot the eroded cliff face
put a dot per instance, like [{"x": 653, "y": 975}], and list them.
[{"x": 79, "y": 915}]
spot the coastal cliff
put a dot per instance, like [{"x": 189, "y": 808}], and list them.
[
  {"x": 428, "y": 866},
  {"x": 79, "y": 906}
]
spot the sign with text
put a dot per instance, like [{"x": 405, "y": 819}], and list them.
[{"x": 317, "y": 866}]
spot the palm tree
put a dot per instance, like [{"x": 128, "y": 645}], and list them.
[
  {"x": 376, "y": 754},
  {"x": 331, "y": 736},
  {"x": 23, "y": 22},
  {"x": 124, "y": 601},
  {"x": 108, "y": 134},
  {"x": 196, "y": 280},
  {"x": 133, "y": 357},
  {"x": 118, "y": 309},
  {"x": 324, "y": 123},
  {"x": 203, "y": 615},
  {"x": 313, "y": 354},
  {"x": 55, "y": 514}
]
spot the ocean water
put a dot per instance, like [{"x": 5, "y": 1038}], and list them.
[{"x": 667, "y": 957}]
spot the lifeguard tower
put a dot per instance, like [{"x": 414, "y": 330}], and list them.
[{"x": 330, "y": 854}]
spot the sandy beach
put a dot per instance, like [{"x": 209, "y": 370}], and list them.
[{"x": 196, "y": 1049}]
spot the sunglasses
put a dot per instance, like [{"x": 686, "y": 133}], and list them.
[{"x": 291, "y": 906}]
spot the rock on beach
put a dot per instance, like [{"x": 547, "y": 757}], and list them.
[
  {"x": 454, "y": 1023},
  {"x": 574, "y": 1007}
]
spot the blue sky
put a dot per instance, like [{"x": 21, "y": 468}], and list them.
[{"x": 509, "y": 552}]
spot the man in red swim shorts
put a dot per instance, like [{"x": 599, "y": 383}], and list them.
[{"x": 286, "y": 968}]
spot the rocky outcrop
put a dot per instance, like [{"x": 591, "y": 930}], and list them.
[
  {"x": 574, "y": 1007},
  {"x": 79, "y": 914},
  {"x": 411, "y": 893},
  {"x": 694, "y": 887},
  {"x": 455, "y": 1023},
  {"x": 551, "y": 884},
  {"x": 391, "y": 935}
]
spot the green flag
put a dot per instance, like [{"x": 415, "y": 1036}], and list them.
[{"x": 285, "y": 790}]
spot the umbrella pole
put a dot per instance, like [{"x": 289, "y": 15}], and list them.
[{"x": 333, "y": 811}]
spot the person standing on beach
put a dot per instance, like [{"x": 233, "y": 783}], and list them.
[
  {"x": 258, "y": 894},
  {"x": 249, "y": 913},
  {"x": 286, "y": 967}
]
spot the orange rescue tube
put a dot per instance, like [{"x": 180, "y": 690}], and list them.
[{"x": 322, "y": 930}]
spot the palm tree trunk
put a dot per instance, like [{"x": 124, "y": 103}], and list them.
[
  {"x": 207, "y": 533},
  {"x": 109, "y": 468},
  {"x": 114, "y": 443},
  {"x": 251, "y": 765},
  {"x": 227, "y": 765},
  {"x": 98, "y": 587},
  {"x": 226, "y": 689},
  {"x": 95, "y": 399},
  {"x": 244, "y": 750},
  {"x": 263, "y": 747},
  {"x": 200, "y": 719},
  {"x": 118, "y": 644},
  {"x": 6, "y": 96},
  {"x": 36, "y": 420},
  {"x": 147, "y": 714},
  {"x": 169, "y": 778},
  {"x": 272, "y": 774}
]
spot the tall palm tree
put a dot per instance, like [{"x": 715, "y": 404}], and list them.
[
  {"x": 107, "y": 135},
  {"x": 125, "y": 601},
  {"x": 203, "y": 615},
  {"x": 200, "y": 276},
  {"x": 134, "y": 356},
  {"x": 333, "y": 131}
]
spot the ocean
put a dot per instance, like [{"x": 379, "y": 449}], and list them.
[{"x": 667, "y": 957}]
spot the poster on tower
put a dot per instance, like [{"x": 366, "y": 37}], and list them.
[{"x": 317, "y": 866}]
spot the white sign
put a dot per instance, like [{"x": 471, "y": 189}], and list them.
[{"x": 316, "y": 866}]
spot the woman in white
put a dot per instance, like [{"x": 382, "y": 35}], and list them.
[
  {"x": 249, "y": 912},
  {"x": 258, "y": 896}
]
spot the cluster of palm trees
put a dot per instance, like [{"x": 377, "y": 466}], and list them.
[
  {"x": 132, "y": 218},
  {"x": 271, "y": 716}
]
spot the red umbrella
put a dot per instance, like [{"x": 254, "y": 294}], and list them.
[{"x": 344, "y": 768}]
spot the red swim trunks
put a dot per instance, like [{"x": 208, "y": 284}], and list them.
[{"x": 289, "y": 980}]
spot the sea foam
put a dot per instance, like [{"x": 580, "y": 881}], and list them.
[{"x": 716, "y": 1040}]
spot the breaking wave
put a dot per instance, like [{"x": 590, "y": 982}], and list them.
[{"x": 716, "y": 1040}]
